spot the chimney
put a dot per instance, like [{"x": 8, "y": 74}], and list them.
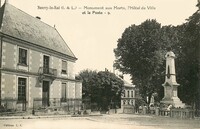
[{"x": 38, "y": 17}]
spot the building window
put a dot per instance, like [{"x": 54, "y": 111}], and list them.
[
  {"x": 64, "y": 67},
  {"x": 22, "y": 56},
  {"x": 124, "y": 92},
  {"x": 132, "y": 102},
  {"x": 64, "y": 92},
  {"x": 22, "y": 89},
  {"x": 128, "y": 93},
  {"x": 132, "y": 94},
  {"x": 129, "y": 102},
  {"x": 124, "y": 102}
]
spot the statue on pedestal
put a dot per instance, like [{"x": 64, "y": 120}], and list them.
[{"x": 170, "y": 85}]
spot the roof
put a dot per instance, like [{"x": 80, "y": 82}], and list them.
[
  {"x": 126, "y": 84},
  {"x": 16, "y": 23}
]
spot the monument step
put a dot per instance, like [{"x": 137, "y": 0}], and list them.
[{"x": 179, "y": 105}]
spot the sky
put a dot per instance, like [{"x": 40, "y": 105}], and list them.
[{"x": 92, "y": 37}]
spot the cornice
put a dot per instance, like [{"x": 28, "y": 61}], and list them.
[{"x": 29, "y": 74}]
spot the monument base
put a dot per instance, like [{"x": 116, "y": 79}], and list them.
[{"x": 174, "y": 101}]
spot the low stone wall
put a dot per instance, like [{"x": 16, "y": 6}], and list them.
[
  {"x": 128, "y": 109},
  {"x": 112, "y": 111},
  {"x": 119, "y": 110},
  {"x": 182, "y": 113}
]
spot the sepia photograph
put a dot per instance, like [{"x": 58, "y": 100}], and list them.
[{"x": 99, "y": 64}]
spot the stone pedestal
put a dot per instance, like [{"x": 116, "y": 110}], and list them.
[{"x": 170, "y": 85}]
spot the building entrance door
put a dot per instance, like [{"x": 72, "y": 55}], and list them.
[{"x": 45, "y": 94}]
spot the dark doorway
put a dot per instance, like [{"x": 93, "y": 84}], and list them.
[{"x": 45, "y": 94}]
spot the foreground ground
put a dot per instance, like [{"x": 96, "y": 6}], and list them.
[
  {"x": 151, "y": 122},
  {"x": 119, "y": 121}
]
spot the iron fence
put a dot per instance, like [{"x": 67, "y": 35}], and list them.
[
  {"x": 13, "y": 105},
  {"x": 65, "y": 104},
  {"x": 68, "y": 105},
  {"x": 50, "y": 71},
  {"x": 197, "y": 113}
]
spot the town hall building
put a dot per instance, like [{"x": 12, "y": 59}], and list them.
[
  {"x": 128, "y": 98},
  {"x": 36, "y": 64}
]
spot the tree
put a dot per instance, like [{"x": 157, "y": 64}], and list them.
[
  {"x": 141, "y": 49},
  {"x": 101, "y": 87},
  {"x": 89, "y": 79},
  {"x": 140, "y": 52},
  {"x": 188, "y": 69},
  {"x": 137, "y": 54}
]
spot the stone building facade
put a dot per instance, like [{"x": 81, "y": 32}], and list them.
[
  {"x": 128, "y": 98},
  {"x": 37, "y": 66}
]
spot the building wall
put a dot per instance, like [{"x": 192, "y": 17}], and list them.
[
  {"x": 9, "y": 55},
  {"x": 11, "y": 72},
  {"x": 55, "y": 89},
  {"x": 56, "y": 64},
  {"x": 71, "y": 73},
  {"x": 8, "y": 86},
  {"x": 128, "y": 91},
  {"x": 55, "y": 93},
  {"x": 68, "y": 90},
  {"x": 78, "y": 90},
  {"x": 35, "y": 92},
  {"x": 35, "y": 61},
  {"x": 71, "y": 92},
  {"x": 128, "y": 101}
]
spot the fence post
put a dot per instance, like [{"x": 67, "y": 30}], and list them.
[
  {"x": 6, "y": 104},
  {"x": 74, "y": 104},
  {"x": 68, "y": 105},
  {"x": 157, "y": 111},
  {"x": 33, "y": 111}
]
